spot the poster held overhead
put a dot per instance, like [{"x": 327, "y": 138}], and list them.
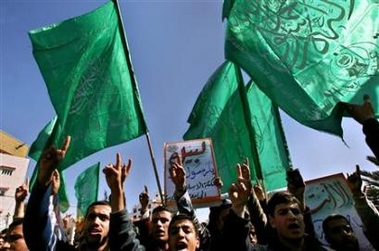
[{"x": 200, "y": 167}]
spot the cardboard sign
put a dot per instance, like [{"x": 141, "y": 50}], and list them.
[
  {"x": 331, "y": 195},
  {"x": 199, "y": 163}
]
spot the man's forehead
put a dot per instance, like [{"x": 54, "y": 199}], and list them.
[
  {"x": 339, "y": 222},
  {"x": 103, "y": 209},
  {"x": 182, "y": 223},
  {"x": 161, "y": 214},
  {"x": 287, "y": 206}
]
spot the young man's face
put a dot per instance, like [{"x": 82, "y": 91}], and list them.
[
  {"x": 14, "y": 240},
  {"x": 96, "y": 225},
  {"x": 183, "y": 236},
  {"x": 159, "y": 225},
  {"x": 341, "y": 236},
  {"x": 288, "y": 221}
]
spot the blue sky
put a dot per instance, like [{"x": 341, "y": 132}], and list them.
[{"x": 175, "y": 47}]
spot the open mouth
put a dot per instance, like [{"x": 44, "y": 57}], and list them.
[
  {"x": 159, "y": 232},
  {"x": 94, "y": 231},
  {"x": 181, "y": 246},
  {"x": 293, "y": 226}
]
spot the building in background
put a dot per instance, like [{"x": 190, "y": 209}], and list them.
[{"x": 13, "y": 166}]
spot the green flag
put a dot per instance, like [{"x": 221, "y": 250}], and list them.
[
  {"x": 95, "y": 96},
  {"x": 241, "y": 123},
  {"x": 86, "y": 188},
  {"x": 222, "y": 113},
  {"x": 307, "y": 56},
  {"x": 88, "y": 73},
  {"x": 39, "y": 144},
  {"x": 219, "y": 113},
  {"x": 272, "y": 147}
]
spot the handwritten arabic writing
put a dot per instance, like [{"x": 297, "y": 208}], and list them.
[
  {"x": 332, "y": 195},
  {"x": 198, "y": 161}
]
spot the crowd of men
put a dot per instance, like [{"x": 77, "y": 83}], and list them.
[{"x": 247, "y": 220}]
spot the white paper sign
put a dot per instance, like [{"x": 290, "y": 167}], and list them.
[
  {"x": 331, "y": 195},
  {"x": 198, "y": 161}
]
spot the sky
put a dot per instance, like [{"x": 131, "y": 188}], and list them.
[{"x": 175, "y": 47}]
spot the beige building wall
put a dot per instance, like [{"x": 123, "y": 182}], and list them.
[
  {"x": 13, "y": 168},
  {"x": 12, "y": 146}
]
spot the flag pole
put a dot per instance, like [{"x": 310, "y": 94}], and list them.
[
  {"x": 247, "y": 115},
  {"x": 155, "y": 168},
  {"x": 282, "y": 134},
  {"x": 132, "y": 78}
]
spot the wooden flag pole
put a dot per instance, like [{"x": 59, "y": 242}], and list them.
[
  {"x": 155, "y": 169},
  {"x": 132, "y": 77}
]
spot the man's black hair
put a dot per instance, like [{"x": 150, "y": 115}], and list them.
[
  {"x": 180, "y": 217},
  {"x": 277, "y": 198},
  {"x": 161, "y": 208},
  {"x": 97, "y": 203},
  {"x": 331, "y": 217}
]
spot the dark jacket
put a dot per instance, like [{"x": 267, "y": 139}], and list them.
[
  {"x": 371, "y": 130},
  {"x": 39, "y": 236},
  {"x": 235, "y": 237}
]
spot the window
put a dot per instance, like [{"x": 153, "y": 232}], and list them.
[
  {"x": 3, "y": 190},
  {"x": 7, "y": 170}
]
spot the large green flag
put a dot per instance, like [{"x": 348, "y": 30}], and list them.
[
  {"x": 87, "y": 188},
  {"x": 222, "y": 113},
  {"x": 88, "y": 73},
  {"x": 307, "y": 56}
]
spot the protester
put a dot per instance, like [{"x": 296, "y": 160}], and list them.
[
  {"x": 339, "y": 233},
  {"x": 183, "y": 234},
  {"x": 14, "y": 238},
  {"x": 253, "y": 235},
  {"x": 158, "y": 237},
  {"x": 286, "y": 218},
  {"x": 235, "y": 234},
  {"x": 143, "y": 222},
  {"x": 20, "y": 195},
  {"x": 184, "y": 204},
  {"x": 161, "y": 215},
  {"x": 106, "y": 226},
  {"x": 366, "y": 210},
  {"x": 364, "y": 114},
  {"x": 217, "y": 216}
]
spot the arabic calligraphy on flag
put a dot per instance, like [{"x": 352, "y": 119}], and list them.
[{"x": 307, "y": 56}]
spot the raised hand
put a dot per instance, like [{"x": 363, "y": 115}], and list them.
[
  {"x": 20, "y": 196},
  {"x": 355, "y": 182},
  {"x": 243, "y": 171},
  {"x": 22, "y": 192},
  {"x": 144, "y": 198},
  {"x": 240, "y": 191},
  {"x": 218, "y": 182},
  {"x": 296, "y": 185},
  {"x": 259, "y": 192},
  {"x": 361, "y": 113},
  {"x": 125, "y": 170},
  {"x": 373, "y": 160},
  {"x": 115, "y": 173},
  {"x": 50, "y": 160},
  {"x": 178, "y": 175}
]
